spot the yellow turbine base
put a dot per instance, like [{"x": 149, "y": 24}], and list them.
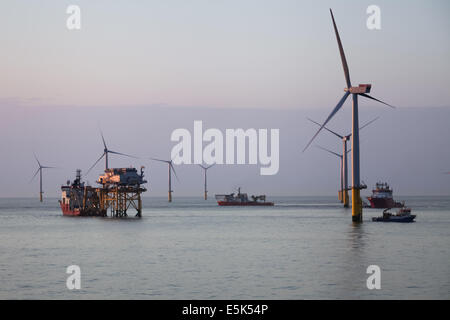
[
  {"x": 345, "y": 199},
  {"x": 356, "y": 206},
  {"x": 170, "y": 196}
]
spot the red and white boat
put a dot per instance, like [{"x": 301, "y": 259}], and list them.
[
  {"x": 382, "y": 197},
  {"x": 241, "y": 199}
]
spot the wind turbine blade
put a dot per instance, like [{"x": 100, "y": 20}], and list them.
[
  {"x": 173, "y": 168},
  {"x": 206, "y": 168},
  {"x": 122, "y": 154},
  {"x": 37, "y": 160},
  {"x": 43, "y": 167},
  {"x": 325, "y": 149},
  {"x": 336, "y": 109},
  {"x": 338, "y": 135},
  {"x": 373, "y": 120},
  {"x": 35, "y": 174},
  {"x": 369, "y": 97},
  {"x": 341, "y": 51},
  {"x": 103, "y": 139},
  {"x": 166, "y": 161},
  {"x": 94, "y": 164}
]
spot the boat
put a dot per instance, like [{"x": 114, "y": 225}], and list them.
[
  {"x": 77, "y": 199},
  {"x": 402, "y": 215},
  {"x": 241, "y": 199},
  {"x": 382, "y": 197}
]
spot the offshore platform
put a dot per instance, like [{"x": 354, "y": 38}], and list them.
[{"x": 119, "y": 191}]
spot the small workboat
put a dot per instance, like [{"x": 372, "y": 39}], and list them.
[{"x": 402, "y": 215}]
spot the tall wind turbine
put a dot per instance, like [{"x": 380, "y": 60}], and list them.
[
  {"x": 343, "y": 195},
  {"x": 361, "y": 90},
  {"x": 171, "y": 167},
  {"x": 204, "y": 170},
  {"x": 106, "y": 151},
  {"x": 39, "y": 170}
]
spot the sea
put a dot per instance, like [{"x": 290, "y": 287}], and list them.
[{"x": 301, "y": 248}]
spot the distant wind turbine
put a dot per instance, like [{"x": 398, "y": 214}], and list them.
[
  {"x": 341, "y": 171},
  {"x": 361, "y": 90},
  {"x": 171, "y": 167},
  {"x": 343, "y": 195},
  {"x": 204, "y": 170},
  {"x": 39, "y": 170},
  {"x": 106, "y": 151}
]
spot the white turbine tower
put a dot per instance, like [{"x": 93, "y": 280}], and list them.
[
  {"x": 205, "y": 169},
  {"x": 171, "y": 167},
  {"x": 39, "y": 170},
  {"x": 361, "y": 90}
]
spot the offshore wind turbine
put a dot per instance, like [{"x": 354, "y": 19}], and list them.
[
  {"x": 343, "y": 195},
  {"x": 361, "y": 90},
  {"x": 105, "y": 154},
  {"x": 39, "y": 170},
  {"x": 205, "y": 169},
  {"x": 171, "y": 167}
]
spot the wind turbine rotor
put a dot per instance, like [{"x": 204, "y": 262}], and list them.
[
  {"x": 37, "y": 171},
  {"x": 101, "y": 157},
  {"x": 336, "y": 109},
  {"x": 103, "y": 139},
  {"x": 169, "y": 162},
  {"x": 369, "y": 97},
  {"x": 173, "y": 168},
  {"x": 37, "y": 161},
  {"x": 160, "y": 160},
  {"x": 336, "y": 134},
  {"x": 122, "y": 154},
  {"x": 206, "y": 168}
]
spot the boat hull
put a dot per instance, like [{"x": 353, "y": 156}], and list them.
[
  {"x": 409, "y": 218},
  {"x": 80, "y": 213},
  {"x": 68, "y": 212},
  {"x": 249, "y": 204},
  {"x": 382, "y": 203}
]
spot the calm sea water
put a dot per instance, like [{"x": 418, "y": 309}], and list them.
[{"x": 302, "y": 248}]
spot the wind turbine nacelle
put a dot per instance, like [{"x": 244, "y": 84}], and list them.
[{"x": 362, "y": 88}]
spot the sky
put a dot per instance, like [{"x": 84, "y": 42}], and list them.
[{"x": 141, "y": 69}]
